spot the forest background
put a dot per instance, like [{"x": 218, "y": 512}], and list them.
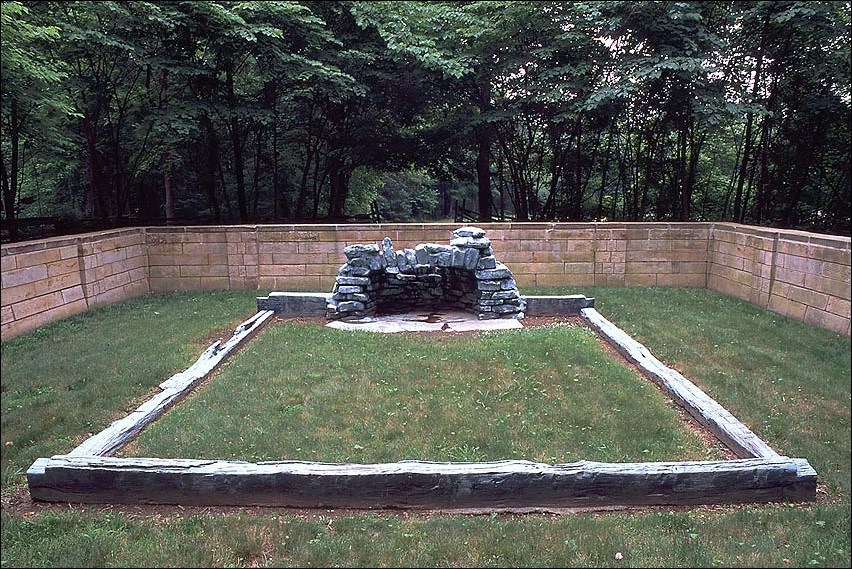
[{"x": 231, "y": 112}]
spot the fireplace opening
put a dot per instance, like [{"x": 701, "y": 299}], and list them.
[{"x": 452, "y": 289}]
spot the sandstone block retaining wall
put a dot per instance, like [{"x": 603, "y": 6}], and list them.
[
  {"x": 49, "y": 279},
  {"x": 798, "y": 274},
  {"x": 803, "y": 275}
]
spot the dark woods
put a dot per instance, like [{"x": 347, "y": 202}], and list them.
[{"x": 303, "y": 111}]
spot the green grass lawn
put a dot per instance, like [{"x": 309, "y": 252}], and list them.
[
  {"x": 787, "y": 381},
  {"x": 72, "y": 378},
  {"x": 303, "y": 391}
]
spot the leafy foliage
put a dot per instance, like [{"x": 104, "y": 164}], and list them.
[{"x": 239, "y": 111}]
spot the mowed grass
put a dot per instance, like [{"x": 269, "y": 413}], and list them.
[
  {"x": 787, "y": 381},
  {"x": 307, "y": 392},
  {"x": 72, "y": 378},
  {"x": 734, "y": 351}
]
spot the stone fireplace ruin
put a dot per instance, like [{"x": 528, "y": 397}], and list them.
[{"x": 463, "y": 275}]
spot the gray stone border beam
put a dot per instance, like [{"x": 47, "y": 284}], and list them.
[{"x": 415, "y": 484}]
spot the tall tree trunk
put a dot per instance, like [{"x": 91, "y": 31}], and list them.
[
  {"x": 208, "y": 164},
  {"x": 10, "y": 177},
  {"x": 258, "y": 156},
  {"x": 96, "y": 195},
  {"x": 576, "y": 211},
  {"x": 237, "y": 144},
  {"x": 339, "y": 178},
  {"x": 803, "y": 162},
  {"x": 604, "y": 175},
  {"x": 760, "y": 197},
  {"x": 743, "y": 169},
  {"x": 276, "y": 190},
  {"x": 691, "y": 172},
  {"x": 731, "y": 183},
  {"x": 302, "y": 196},
  {"x": 739, "y": 206},
  {"x": 167, "y": 177},
  {"x": 167, "y": 186},
  {"x": 8, "y": 200},
  {"x": 483, "y": 156}
]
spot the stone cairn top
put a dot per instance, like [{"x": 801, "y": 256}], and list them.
[{"x": 463, "y": 275}]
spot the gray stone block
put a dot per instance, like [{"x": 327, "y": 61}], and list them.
[
  {"x": 350, "y": 306},
  {"x": 500, "y": 272},
  {"x": 471, "y": 259},
  {"x": 353, "y": 251},
  {"x": 443, "y": 259},
  {"x": 470, "y": 242},
  {"x": 488, "y": 285},
  {"x": 401, "y": 262},
  {"x": 433, "y": 248},
  {"x": 457, "y": 258},
  {"x": 505, "y": 294},
  {"x": 387, "y": 252},
  {"x": 421, "y": 253},
  {"x": 487, "y": 262},
  {"x": 568, "y": 305},
  {"x": 469, "y": 231},
  {"x": 410, "y": 257},
  {"x": 353, "y": 281}
]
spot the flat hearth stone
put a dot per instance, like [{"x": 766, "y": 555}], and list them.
[{"x": 422, "y": 321}]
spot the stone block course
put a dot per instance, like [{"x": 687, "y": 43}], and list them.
[
  {"x": 787, "y": 307},
  {"x": 205, "y": 248},
  {"x": 8, "y": 263},
  {"x": 204, "y": 271},
  {"x": 27, "y": 275},
  {"x": 63, "y": 267},
  {"x": 640, "y": 279},
  {"x": 838, "y": 306},
  {"x": 686, "y": 279},
  {"x": 832, "y": 287},
  {"x": 37, "y": 258},
  {"x": 564, "y": 279},
  {"x": 825, "y": 319},
  {"x": 837, "y": 271}
]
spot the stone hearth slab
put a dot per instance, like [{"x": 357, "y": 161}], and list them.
[{"x": 448, "y": 321}]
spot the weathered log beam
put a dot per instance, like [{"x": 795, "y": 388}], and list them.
[
  {"x": 414, "y": 484},
  {"x": 704, "y": 408},
  {"x": 123, "y": 430}
]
